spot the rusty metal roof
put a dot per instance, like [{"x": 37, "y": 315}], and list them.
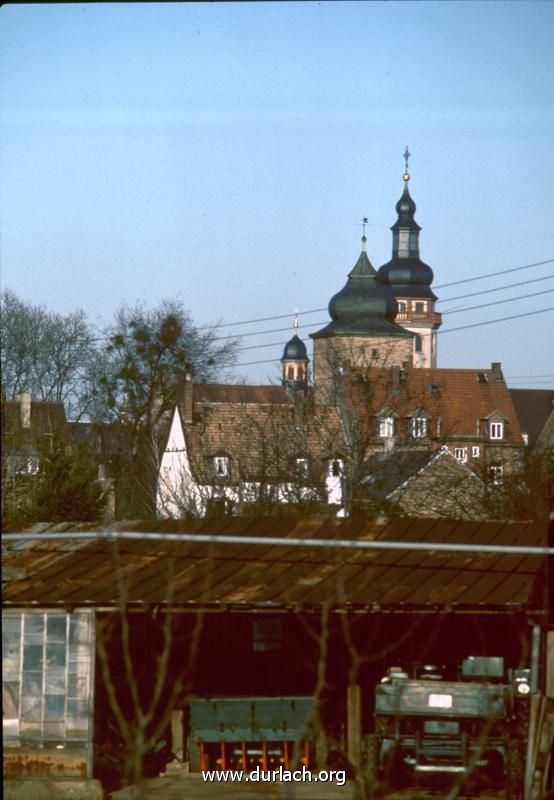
[{"x": 188, "y": 574}]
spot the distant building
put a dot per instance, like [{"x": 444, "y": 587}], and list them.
[{"x": 375, "y": 388}]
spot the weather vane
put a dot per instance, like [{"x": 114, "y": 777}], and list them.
[
  {"x": 364, "y": 239},
  {"x": 407, "y": 154}
]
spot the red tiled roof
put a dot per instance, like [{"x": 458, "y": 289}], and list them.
[
  {"x": 247, "y": 575},
  {"x": 238, "y": 393},
  {"x": 457, "y": 396}
]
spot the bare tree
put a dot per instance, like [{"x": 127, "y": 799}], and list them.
[{"x": 44, "y": 353}]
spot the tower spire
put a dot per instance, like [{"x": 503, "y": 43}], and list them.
[
  {"x": 406, "y": 157},
  {"x": 364, "y": 237}
]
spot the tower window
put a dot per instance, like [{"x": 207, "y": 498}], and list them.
[
  {"x": 300, "y": 373},
  {"x": 403, "y": 244},
  {"x": 420, "y": 308},
  {"x": 290, "y": 372},
  {"x": 402, "y": 308},
  {"x": 418, "y": 344}
]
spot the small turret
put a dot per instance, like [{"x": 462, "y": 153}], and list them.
[{"x": 294, "y": 363}]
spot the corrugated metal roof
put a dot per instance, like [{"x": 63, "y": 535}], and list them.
[{"x": 101, "y": 572}]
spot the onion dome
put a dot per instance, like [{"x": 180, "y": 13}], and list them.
[
  {"x": 363, "y": 306},
  {"x": 295, "y": 350},
  {"x": 406, "y": 274}
]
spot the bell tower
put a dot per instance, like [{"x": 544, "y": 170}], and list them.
[
  {"x": 294, "y": 363},
  {"x": 410, "y": 280}
]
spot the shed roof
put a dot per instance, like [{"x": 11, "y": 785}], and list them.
[{"x": 79, "y": 573}]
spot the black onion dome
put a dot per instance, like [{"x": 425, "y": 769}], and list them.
[
  {"x": 406, "y": 208},
  {"x": 363, "y": 306},
  {"x": 407, "y": 277},
  {"x": 295, "y": 350}
]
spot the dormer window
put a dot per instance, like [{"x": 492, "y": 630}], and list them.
[
  {"x": 220, "y": 466},
  {"x": 496, "y": 430},
  {"x": 419, "y": 427},
  {"x": 386, "y": 427},
  {"x": 460, "y": 454}
]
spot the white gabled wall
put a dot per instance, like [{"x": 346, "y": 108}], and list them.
[{"x": 177, "y": 491}]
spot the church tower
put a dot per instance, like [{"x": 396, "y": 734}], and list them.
[
  {"x": 362, "y": 332},
  {"x": 410, "y": 280}
]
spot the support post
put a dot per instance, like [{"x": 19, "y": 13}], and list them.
[
  {"x": 549, "y": 679},
  {"x": 354, "y": 724},
  {"x": 177, "y": 738}
]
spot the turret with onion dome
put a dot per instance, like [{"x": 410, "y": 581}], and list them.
[
  {"x": 410, "y": 279},
  {"x": 294, "y": 363}
]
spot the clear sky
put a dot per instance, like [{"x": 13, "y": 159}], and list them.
[{"x": 225, "y": 153}]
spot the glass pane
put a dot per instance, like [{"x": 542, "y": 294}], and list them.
[
  {"x": 54, "y": 706},
  {"x": 79, "y": 629},
  {"x": 10, "y": 654},
  {"x": 33, "y": 628},
  {"x": 54, "y": 730},
  {"x": 10, "y": 700},
  {"x": 55, "y": 681},
  {"x": 56, "y": 627},
  {"x": 32, "y": 683},
  {"x": 11, "y": 623},
  {"x": 77, "y": 715},
  {"x": 55, "y": 655},
  {"x": 77, "y": 686},
  {"x": 32, "y": 657},
  {"x": 30, "y": 730},
  {"x": 31, "y": 708}
]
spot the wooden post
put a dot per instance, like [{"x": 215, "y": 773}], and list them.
[
  {"x": 354, "y": 724},
  {"x": 549, "y": 672},
  {"x": 177, "y": 739}
]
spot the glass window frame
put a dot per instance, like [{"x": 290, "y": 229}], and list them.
[{"x": 45, "y": 695}]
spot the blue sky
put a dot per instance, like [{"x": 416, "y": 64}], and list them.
[{"x": 225, "y": 153}]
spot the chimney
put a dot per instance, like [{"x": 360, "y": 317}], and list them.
[
  {"x": 187, "y": 406},
  {"x": 24, "y": 400},
  {"x": 496, "y": 369}
]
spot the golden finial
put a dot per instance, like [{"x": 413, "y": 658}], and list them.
[{"x": 406, "y": 175}]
